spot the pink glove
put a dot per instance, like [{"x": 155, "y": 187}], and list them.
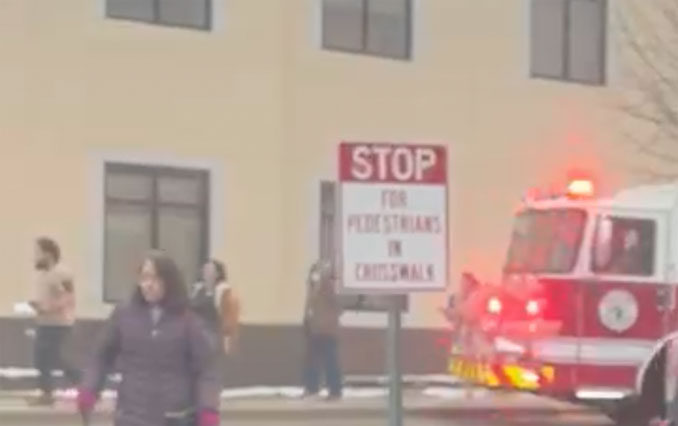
[
  {"x": 208, "y": 417},
  {"x": 86, "y": 401}
]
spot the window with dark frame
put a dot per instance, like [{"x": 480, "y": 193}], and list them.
[
  {"x": 568, "y": 40},
  {"x": 147, "y": 207},
  {"x": 625, "y": 246},
  {"x": 373, "y": 27},
  {"x": 196, "y": 14}
]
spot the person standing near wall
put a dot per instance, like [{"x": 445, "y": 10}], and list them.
[
  {"x": 170, "y": 376},
  {"x": 215, "y": 302},
  {"x": 321, "y": 330},
  {"x": 54, "y": 305}
]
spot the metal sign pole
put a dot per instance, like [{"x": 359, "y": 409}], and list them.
[{"x": 395, "y": 409}]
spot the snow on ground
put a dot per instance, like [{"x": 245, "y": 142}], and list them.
[{"x": 359, "y": 387}]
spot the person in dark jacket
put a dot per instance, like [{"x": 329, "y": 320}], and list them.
[
  {"x": 167, "y": 362},
  {"x": 321, "y": 326}
]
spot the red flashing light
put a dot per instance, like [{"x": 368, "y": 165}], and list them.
[
  {"x": 443, "y": 342},
  {"x": 581, "y": 188},
  {"x": 494, "y": 305},
  {"x": 532, "y": 307}
]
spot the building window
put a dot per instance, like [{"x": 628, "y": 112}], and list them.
[
  {"x": 568, "y": 40},
  {"x": 148, "y": 208},
  {"x": 179, "y": 13},
  {"x": 374, "y": 27}
]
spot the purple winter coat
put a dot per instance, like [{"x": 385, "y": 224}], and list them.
[{"x": 171, "y": 369}]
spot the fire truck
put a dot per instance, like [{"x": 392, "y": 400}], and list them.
[{"x": 586, "y": 307}]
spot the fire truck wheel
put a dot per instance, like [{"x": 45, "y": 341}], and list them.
[
  {"x": 629, "y": 413},
  {"x": 648, "y": 405}
]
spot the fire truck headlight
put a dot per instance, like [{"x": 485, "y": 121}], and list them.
[
  {"x": 494, "y": 305},
  {"x": 532, "y": 307}
]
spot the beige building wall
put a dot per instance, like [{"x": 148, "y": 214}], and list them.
[
  {"x": 260, "y": 104},
  {"x": 77, "y": 87}
]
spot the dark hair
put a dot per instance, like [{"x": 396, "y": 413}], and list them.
[
  {"x": 176, "y": 295},
  {"x": 49, "y": 247},
  {"x": 220, "y": 268}
]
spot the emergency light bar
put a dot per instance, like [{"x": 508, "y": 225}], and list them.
[
  {"x": 576, "y": 189},
  {"x": 580, "y": 188}
]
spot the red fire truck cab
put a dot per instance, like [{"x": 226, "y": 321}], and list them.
[{"x": 586, "y": 308}]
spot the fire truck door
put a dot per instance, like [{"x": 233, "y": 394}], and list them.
[{"x": 625, "y": 306}]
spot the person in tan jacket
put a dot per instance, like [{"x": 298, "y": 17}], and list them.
[
  {"x": 54, "y": 306},
  {"x": 321, "y": 329},
  {"x": 216, "y": 303}
]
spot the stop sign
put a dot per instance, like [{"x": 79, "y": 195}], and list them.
[
  {"x": 392, "y": 163},
  {"x": 393, "y": 218}
]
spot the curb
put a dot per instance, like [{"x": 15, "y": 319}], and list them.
[
  {"x": 460, "y": 412},
  {"x": 275, "y": 408},
  {"x": 24, "y": 380},
  {"x": 381, "y": 413}
]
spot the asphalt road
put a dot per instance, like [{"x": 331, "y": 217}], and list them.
[
  {"x": 450, "y": 408},
  {"x": 584, "y": 419}
]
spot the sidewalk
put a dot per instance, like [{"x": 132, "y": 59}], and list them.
[
  {"x": 358, "y": 403},
  {"x": 19, "y": 379}
]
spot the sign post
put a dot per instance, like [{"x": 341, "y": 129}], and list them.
[
  {"x": 393, "y": 231},
  {"x": 395, "y": 408}
]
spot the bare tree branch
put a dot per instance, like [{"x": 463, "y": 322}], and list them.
[
  {"x": 651, "y": 148},
  {"x": 653, "y": 175},
  {"x": 654, "y": 45},
  {"x": 640, "y": 115},
  {"x": 649, "y": 32}
]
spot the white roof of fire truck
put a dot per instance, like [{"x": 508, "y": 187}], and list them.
[{"x": 647, "y": 197}]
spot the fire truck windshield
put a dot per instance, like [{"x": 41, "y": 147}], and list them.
[{"x": 546, "y": 241}]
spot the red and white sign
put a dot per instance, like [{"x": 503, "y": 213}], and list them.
[{"x": 394, "y": 228}]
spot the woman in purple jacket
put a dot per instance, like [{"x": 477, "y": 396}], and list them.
[{"x": 166, "y": 359}]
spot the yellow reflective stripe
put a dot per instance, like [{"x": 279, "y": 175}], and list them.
[
  {"x": 468, "y": 371},
  {"x": 548, "y": 373},
  {"x": 465, "y": 370},
  {"x": 452, "y": 367},
  {"x": 482, "y": 373},
  {"x": 515, "y": 374},
  {"x": 491, "y": 379},
  {"x": 459, "y": 368},
  {"x": 456, "y": 367}
]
